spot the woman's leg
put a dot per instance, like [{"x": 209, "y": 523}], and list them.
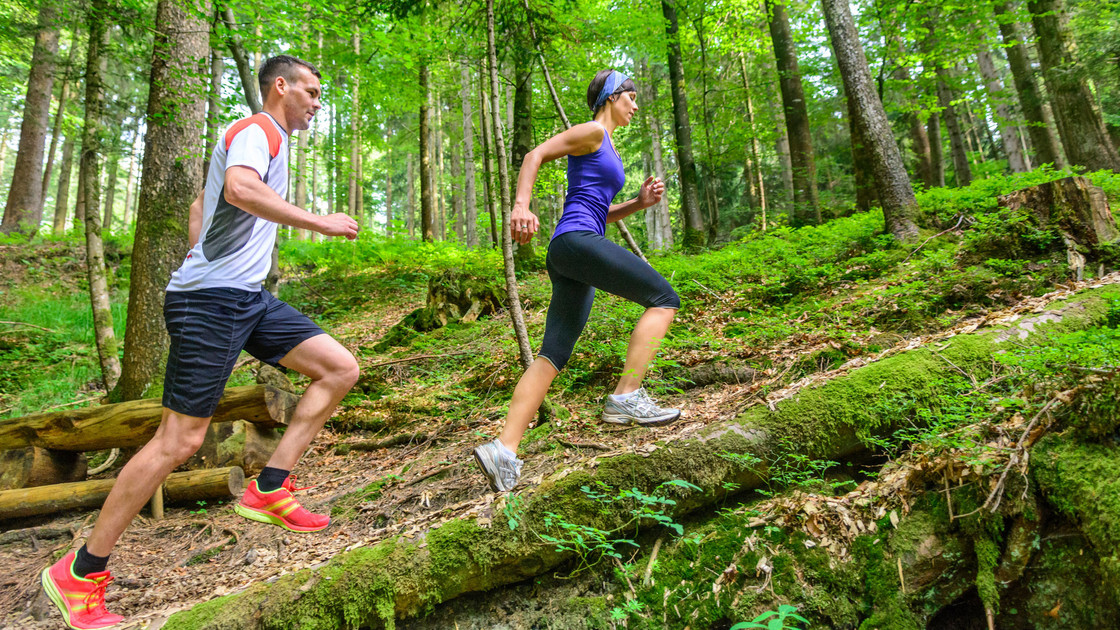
[
  {"x": 644, "y": 342},
  {"x": 527, "y": 398}
]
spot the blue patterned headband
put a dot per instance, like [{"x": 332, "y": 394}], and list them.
[{"x": 614, "y": 79}]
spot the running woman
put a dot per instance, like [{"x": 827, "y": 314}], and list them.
[
  {"x": 580, "y": 260},
  {"x": 214, "y": 308}
]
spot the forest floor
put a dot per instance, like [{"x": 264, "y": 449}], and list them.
[{"x": 445, "y": 392}]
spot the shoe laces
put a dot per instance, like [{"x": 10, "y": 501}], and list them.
[
  {"x": 510, "y": 471},
  {"x": 643, "y": 403},
  {"x": 290, "y": 483},
  {"x": 95, "y": 599}
]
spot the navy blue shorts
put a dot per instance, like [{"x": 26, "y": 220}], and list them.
[
  {"x": 580, "y": 262},
  {"x": 209, "y": 328}
]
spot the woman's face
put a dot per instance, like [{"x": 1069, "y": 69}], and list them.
[{"x": 624, "y": 107}]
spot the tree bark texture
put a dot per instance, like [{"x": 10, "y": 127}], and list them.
[
  {"x": 936, "y": 149},
  {"x": 756, "y": 188},
  {"x": 659, "y": 231},
  {"x": 24, "y": 208},
  {"x": 60, "y": 115},
  {"x": 470, "y": 219},
  {"x": 1046, "y": 148},
  {"x": 404, "y": 576},
  {"x": 806, "y": 205},
  {"x": 111, "y": 190},
  {"x": 895, "y": 194},
  {"x": 1075, "y": 107},
  {"x": 355, "y": 180},
  {"x": 192, "y": 485},
  {"x": 62, "y": 197},
  {"x": 525, "y": 350},
  {"x": 1016, "y": 158},
  {"x": 389, "y": 191},
  {"x": 213, "y": 107},
  {"x": 241, "y": 58},
  {"x": 488, "y": 193},
  {"x": 427, "y": 200},
  {"x": 92, "y": 147},
  {"x": 303, "y": 138},
  {"x": 172, "y": 171},
  {"x": 410, "y": 202},
  {"x": 130, "y": 192},
  {"x": 694, "y": 236},
  {"x": 962, "y": 172},
  {"x": 711, "y": 180},
  {"x": 919, "y": 139},
  {"x": 134, "y": 422},
  {"x": 32, "y": 466}
]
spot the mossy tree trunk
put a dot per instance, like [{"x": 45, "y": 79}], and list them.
[{"x": 404, "y": 577}]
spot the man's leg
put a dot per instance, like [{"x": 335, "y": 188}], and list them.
[
  {"x": 333, "y": 371},
  {"x": 176, "y": 439}
]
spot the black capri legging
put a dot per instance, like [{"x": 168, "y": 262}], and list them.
[{"x": 580, "y": 262}]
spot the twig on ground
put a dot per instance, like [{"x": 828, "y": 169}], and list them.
[
  {"x": 76, "y": 402},
  {"x": 652, "y": 559},
  {"x": 997, "y": 492},
  {"x": 959, "y": 221},
  {"x": 26, "y": 324},
  {"x": 105, "y": 464},
  {"x": 417, "y": 358},
  {"x": 396, "y": 440},
  {"x": 710, "y": 292},
  {"x": 594, "y": 445}
]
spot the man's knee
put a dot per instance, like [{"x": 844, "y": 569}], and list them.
[
  {"x": 345, "y": 371},
  {"x": 179, "y": 443}
]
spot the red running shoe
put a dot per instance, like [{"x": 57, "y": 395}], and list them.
[
  {"x": 279, "y": 507},
  {"x": 80, "y": 600}
]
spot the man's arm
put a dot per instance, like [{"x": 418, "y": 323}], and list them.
[
  {"x": 244, "y": 189},
  {"x": 194, "y": 222}
]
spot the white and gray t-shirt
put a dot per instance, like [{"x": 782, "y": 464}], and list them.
[{"x": 234, "y": 248}]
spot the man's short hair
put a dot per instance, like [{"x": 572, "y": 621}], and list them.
[{"x": 281, "y": 66}]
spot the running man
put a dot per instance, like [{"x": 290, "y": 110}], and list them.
[
  {"x": 214, "y": 308},
  {"x": 580, "y": 260}
]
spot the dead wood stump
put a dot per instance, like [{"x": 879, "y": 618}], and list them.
[
  {"x": 453, "y": 297},
  {"x": 1074, "y": 208}
]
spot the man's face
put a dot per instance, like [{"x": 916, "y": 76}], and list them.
[{"x": 300, "y": 98}]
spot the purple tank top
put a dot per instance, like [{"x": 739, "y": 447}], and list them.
[{"x": 593, "y": 181}]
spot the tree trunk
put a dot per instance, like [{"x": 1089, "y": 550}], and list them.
[
  {"x": 470, "y": 221},
  {"x": 923, "y": 161},
  {"x": 244, "y": 70},
  {"x": 410, "y": 205},
  {"x": 863, "y": 173},
  {"x": 1073, "y": 103},
  {"x": 895, "y": 194},
  {"x": 24, "y": 209},
  {"x": 437, "y": 171},
  {"x": 302, "y": 140},
  {"x": 806, "y": 207},
  {"x": 526, "y": 352},
  {"x": 693, "y": 224},
  {"x": 111, "y": 191},
  {"x": 756, "y": 187},
  {"x": 192, "y": 485},
  {"x": 134, "y": 422},
  {"x": 92, "y": 146},
  {"x": 659, "y": 231},
  {"x": 427, "y": 202},
  {"x": 133, "y": 172},
  {"x": 522, "y": 141},
  {"x": 388, "y": 188},
  {"x": 213, "y": 105},
  {"x": 62, "y": 197},
  {"x": 355, "y": 181},
  {"x": 465, "y": 555},
  {"x": 172, "y": 171},
  {"x": 63, "y": 101},
  {"x": 711, "y": 184},
  {"x": 1046, "y": 149},
  {"x": 488, "y": 193},
  {"x": 962, "y": 173},
  {"x": 936, "y": 150}
]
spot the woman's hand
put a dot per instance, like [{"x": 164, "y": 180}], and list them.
[
  {"x": 523, "y": 224},
  {"x": 652, "y": 190}
]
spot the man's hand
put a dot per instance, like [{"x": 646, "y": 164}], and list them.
[
  {"x": 523, "y": 225},
  {"x": 652, "y": 190},
  {"x": 338, "y": 224}
]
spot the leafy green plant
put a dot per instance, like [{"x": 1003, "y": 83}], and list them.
[{"x": 774, "y": 620}]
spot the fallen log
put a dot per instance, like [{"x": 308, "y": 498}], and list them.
[
  {"x": 404, "y": 577},
  {"x": 193, "y": 485},
  {"x": 34, "y": 466},
  {"x": 134, "y": 422}
]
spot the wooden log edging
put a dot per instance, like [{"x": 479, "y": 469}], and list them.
[
  {"x": 134, "y": 422},
  {"x": 192, "y": 485},
  {"x": 402, "y": 577}
]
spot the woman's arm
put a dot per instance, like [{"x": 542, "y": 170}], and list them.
[
  {"x": 650, "y": 193},
  {"x": 579, "y": 140}
]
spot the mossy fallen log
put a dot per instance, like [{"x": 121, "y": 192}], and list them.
[
  {"x": 192, "y": 485},
  {"x": 134, "y": 422},
  {"x": 403, "y": 577}
]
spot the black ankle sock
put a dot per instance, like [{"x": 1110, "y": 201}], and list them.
[
  {"x": 86, "y": 563},
  {"x": 271, "y": 479}
]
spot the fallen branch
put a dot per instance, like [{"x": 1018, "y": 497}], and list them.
[
  {"x": 105, "y": 464},
  {"x": 417, "y": 358},
  {"x": 26, "y": 324},
  {"x": 592, "y": 445},
  {"x": 959, "y": 221}
]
